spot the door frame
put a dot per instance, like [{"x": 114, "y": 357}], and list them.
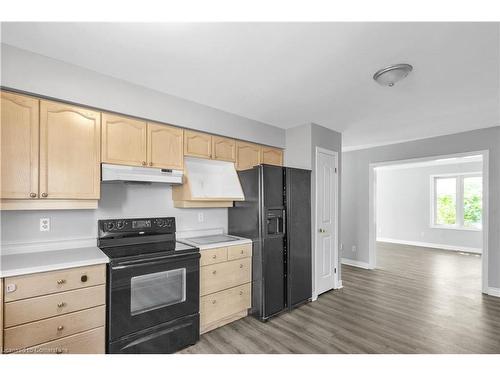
[
  {"x": 372, "y": 210},
  {"x": 336, "y": 283}
]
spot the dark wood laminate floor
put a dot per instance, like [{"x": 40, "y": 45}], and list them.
[{"x": 418, "y": 300}]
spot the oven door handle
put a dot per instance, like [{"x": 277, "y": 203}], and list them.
[{"x": 153, "y": 262}]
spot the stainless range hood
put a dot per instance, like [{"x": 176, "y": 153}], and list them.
[{"x": 113, "y": 173}]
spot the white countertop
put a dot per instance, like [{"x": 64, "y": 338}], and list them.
[
  {"x": 43, "y": 261},
  {"x": 239, "y": 241}
]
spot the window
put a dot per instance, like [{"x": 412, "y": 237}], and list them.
[{"x": 457, "y": 201}]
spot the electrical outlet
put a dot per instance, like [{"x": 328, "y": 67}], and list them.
[
  {"x": 201, "y": 217},
  {"x": 354, "y": 249},
  {"x": 44, "y": 224}
]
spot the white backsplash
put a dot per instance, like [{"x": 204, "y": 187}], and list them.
[{"x": 118, "y": 200}]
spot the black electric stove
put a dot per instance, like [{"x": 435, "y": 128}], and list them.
[{"x": 153, "y": 286}]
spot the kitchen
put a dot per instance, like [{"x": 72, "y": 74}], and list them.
[
  {"x": 207, "y": 188},
  {"x": 136, "y": 152}
]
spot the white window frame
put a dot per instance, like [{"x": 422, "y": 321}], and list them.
[{"x": 459, "y": 224}]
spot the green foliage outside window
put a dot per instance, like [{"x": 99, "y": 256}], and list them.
[{"x": 446, "y": 210}]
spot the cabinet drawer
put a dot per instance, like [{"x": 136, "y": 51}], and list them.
[
  {"x": 217, "y": 306},
  {"x": 37, "y": 308},
  {"x": 217, "y": 277},
  {"x": 89, "y": 342},
  {"x": 31, "y": 334},
  {"x": 239, "y": 251},
  {"x": 39, "y": 284},
  {"x": 212, "y": 256}
]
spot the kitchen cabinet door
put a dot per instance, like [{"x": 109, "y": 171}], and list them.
[
  {"x": 123, "y": 140},
  {"x": 69, "y": 152},
  {"x": 19, "y": 145},
  {"x": 197, "y": 144},
  {"x": 165, "y": 146},
  {"x": 223, "y": 149},
  {"x": 271, "y": 155},
  {"x": 247, "y": 155}
]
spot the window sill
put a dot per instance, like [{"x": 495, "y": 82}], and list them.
[{"x": 467, "y": 229}]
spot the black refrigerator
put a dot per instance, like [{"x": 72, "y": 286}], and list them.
[{"x": 276, "y": 215}]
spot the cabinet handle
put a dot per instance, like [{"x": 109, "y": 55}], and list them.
[
  {"x": 84, "y": 278},
  {"x": 241, "y": 265},
  {"x": 214, "y": 272},
  {"x": 59, "y": 351},
  {"x": 60, "y": 282},
  {"x": 45, "y": 195},
  {"x": 241, "y": 252},
  {"x": 150, "y": 163},
  {"x": 241, "y": 292},
  {"x": 61, "y": 304},
  {"x": 144, "y": 163},
  {"x": 214, "y": 256},
  {"x": 213, "y": 302},
  {"x": 33, "y": 195},
  {"x": 60, "y": 328}
]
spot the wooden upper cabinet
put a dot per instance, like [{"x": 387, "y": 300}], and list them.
[
  {"x": 197, "y": 144},
  {"x": 19, "y": 146},
  {"x": 247, "y": 155},
  {"x": 69, "y": 152},
  {"x": 223, "y": 148},
  {"x": 123, "y": 140},
  {"x": 271, "y": 155},
  {"x": 165, "y": 146}
]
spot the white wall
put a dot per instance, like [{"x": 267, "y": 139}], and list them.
[
  {"x": 118, "y": 200},
  {"x": 403, "y": 205},
  {"x": 37, "y": 74},
  {"x": 355, "y": 187}
]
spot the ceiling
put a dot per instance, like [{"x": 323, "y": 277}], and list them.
[{"x": 288, "y": 74}]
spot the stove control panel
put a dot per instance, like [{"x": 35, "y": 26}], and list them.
[{"x": 150, "y": 225}]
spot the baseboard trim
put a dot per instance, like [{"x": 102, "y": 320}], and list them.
[
  {"x": 357, "y": 263},
  {"x": 495, "y": 292},
  {"x": 474, "y": 250},
  {"x": 339, "y": 286}
]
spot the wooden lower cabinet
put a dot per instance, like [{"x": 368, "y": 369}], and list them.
[
  {"x": 88, "y": 342},
  {"x": 43, "y": 319},
  {"x": 225, "y": 285}
]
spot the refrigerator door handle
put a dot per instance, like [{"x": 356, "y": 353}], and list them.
[{"x": 284, "y": 222}]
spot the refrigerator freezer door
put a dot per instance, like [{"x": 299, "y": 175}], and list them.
[
  {"x": 272, "y": 177},
  {"x": 299, "y": 248}
]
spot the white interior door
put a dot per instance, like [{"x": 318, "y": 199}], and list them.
[{"x": 326, "y": 220}]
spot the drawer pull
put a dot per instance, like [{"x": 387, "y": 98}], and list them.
[
  {"x": 214, "y": 272},
  {"x": 241, "y": 252},
  {"x": 241, "y": 292},
  {"x": 60, "y": 282},
  {"x": 59, "y": 351},
  {"x": 214, "y": 301},
  {"x": 214, "y": 256},
  {"x": 241, "y": 265},
  {"x": 84, "y": 278},
  {"x": 61, "y": 304},
  {"x": 60, "y": 328}
]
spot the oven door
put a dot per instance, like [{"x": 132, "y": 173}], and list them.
[{"x": 145, "y": 293}]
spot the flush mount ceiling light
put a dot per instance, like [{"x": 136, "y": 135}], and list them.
[{"x": 391, "y": 74}]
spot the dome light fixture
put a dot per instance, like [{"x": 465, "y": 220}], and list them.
[{"x": 391, "y": 74}]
